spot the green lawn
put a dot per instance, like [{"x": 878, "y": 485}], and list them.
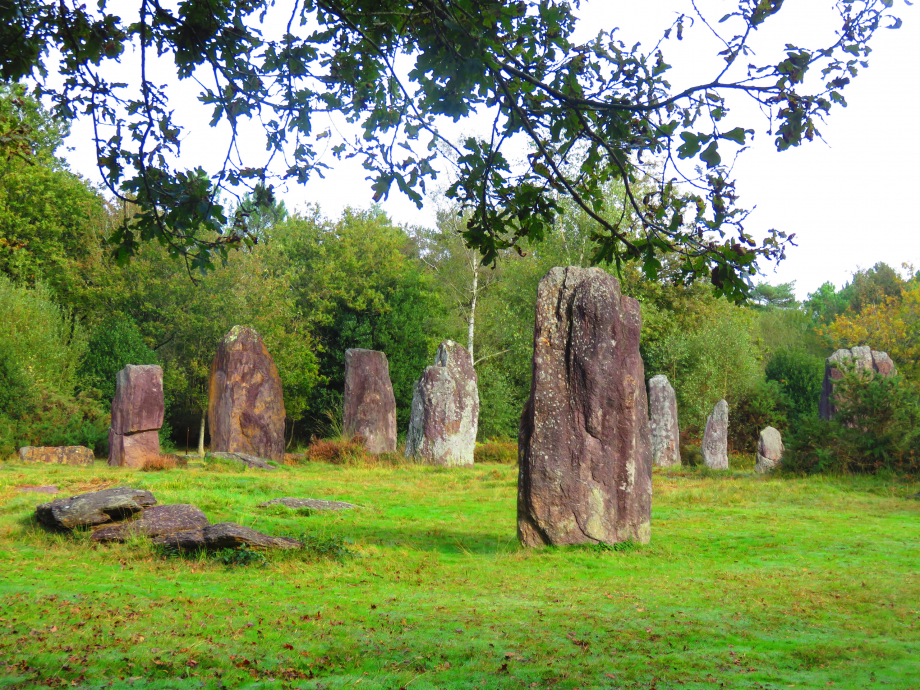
[{"x": 749, "y": 582}]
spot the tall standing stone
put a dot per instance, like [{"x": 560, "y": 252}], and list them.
[
  {"x": 137, "y": 415},
  {"x": 715, "y": 438},
  {"x": 245, "y": 401},
  {"x": 585, "y": 456},
  {"x": 445, "y": 409},
  {"x": 369, "y": 407},
  {"x": 863, "y": 359},
  {"x": 769, "y": 450},
  {"x": 662, "y": 404}
]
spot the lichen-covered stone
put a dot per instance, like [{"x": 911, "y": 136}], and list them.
[
  {"x": 662, "y": 405},
  {"x": 863, "y": 359},
  {"x": 585, "y": 456},
  {"x": 769, "y": 450},
  {"x": 369, "y": 406},
  {"x": 138, "y": 403},
  {"x": 445, "y": 409},
  {"x": 245, "y": 400},
  {"x": 94, "y": 508},
  {"x": 715, "y": 438},
  {"x": 154, "y": 522},
  {"x": 133, "y": 450},
  {"x": 57, "y": 455},
  {"x": 224, "y": 535}
]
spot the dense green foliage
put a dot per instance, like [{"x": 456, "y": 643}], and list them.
[
  {"x": 876, "y": 427},
  {"x": 748, "y": 581},
  {"x": 315, "y": 286},
  {"x": 589, "y": 112}
]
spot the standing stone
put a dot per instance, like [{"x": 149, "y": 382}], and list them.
[
  {"x": 369, "y": 409},
  {"x": 863, "y": 359},
  {"x": 585, "y": 456},
  {"x": 445, "y": 409},
  {"x": 662, "y": 405},
  {"x": 245, "y": 401},
  {"x": 715, "y": 438},
  {"x": 137, "y": 415},
  {"x": 57, "y": 455},
  {"x": 769, "y": 450}
]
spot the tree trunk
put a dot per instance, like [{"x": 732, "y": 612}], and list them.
[
  {"x": 204, "y": 417},
  {"x": 471, "y": 319}
]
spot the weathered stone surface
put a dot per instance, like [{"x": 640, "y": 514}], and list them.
[
  {"x": 311, "y": 503},
  {"x": 715, "y": 438},
  {"x": 445, "y": 409},
  {"x": 662, "y": 404},
  {"x": 133, "y": 450},
  {"x": 153, "y": 522},
  {"x": 50, "y": 489},
  {"x": 224, "y": 535},
  {"x": 864, "y": 359},
  {"x": 246, "y": 403},
  {"x": 95, "y": 508},
  {"x": 138, "y": 402},
  {"x": 584, "y": 446},
  {"x": 769, "y": 450},
  {"x": 245, "y": 459},
  {"x": 369, "y": 407},
  {"x": 57, "y": 455}
]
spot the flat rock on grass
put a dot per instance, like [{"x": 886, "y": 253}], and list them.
[
  {"x": 224, "y": 535},
  {"x": 51, "y": 489},
  {"x": 311, "y": 503},
  {"x": 57, "y": 455},
  {"x": 155, "y": 522},
  {"x": 248, "y": 460},
  {"x": 95, "y": 508}
]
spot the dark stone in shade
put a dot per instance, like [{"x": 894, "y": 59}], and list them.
[{"x": 369, "y": 407}]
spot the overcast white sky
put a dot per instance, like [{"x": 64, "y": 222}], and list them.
[{"x": 848, "y": 200}]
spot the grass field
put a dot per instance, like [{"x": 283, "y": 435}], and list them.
[{"x": 749, "y": 582}]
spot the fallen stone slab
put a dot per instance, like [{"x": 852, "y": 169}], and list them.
[
  {"x": 224, "y": 535},
  {"x": 95, "y": 508},
  {"x": 57, "y": 455},
  {"x": 311, "y": 503},
  {"x": 248, "y": 460},
  {"x": 50, "y": 489},
  {"x": 155, "y": 522}
]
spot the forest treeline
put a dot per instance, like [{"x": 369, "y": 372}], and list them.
[{"x": 314, "y": 286}]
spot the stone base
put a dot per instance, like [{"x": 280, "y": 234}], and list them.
[{"x": 133, "y": 450}]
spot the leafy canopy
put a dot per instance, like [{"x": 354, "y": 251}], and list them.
[{"x": 589, "y": 112}]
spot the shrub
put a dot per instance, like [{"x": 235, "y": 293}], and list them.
[
  {"x": 115, "y": 342},
  {"x": 159, "y": 463},
  {"x": 764, "y": 405},
  {"x": 876, "y": 427},
  {"x": 800, "y": 375},
  {"x": 498, "y": 451},
  {"x": 337, "y": 451}
]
